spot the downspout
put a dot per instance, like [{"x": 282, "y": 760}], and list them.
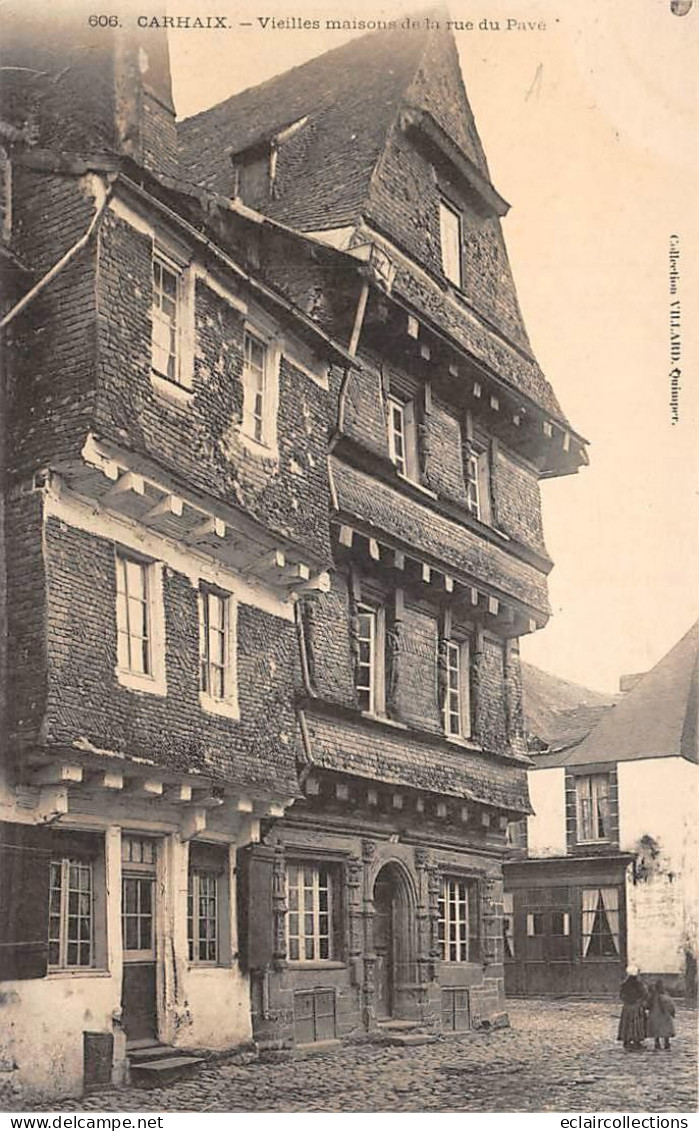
[{"x": 65, "y": 259}]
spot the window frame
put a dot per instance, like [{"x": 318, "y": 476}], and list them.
[
  {"x": 477, "y": 482},
  {"x": 226, "y": 704},
  {"x": 332, "y": 887},
  {"x": 153, "y": 680},
  {"x": 405, "y": 461},
  {"x": 466, "y": 939},
  {"x": 377, "y": 659},
  {"x": 66, "y": 863},
  {"x": 261, "y": 440},
  {"x": 459, "y": 647},
  {"x": 195, "y": 876},
  {"x": 592, "y": 820},
  {"x": 179, "y": 383},
  {"x": 451, "y": 256}
]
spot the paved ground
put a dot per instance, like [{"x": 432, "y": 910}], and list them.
[{"x": 557, "y": 1056}]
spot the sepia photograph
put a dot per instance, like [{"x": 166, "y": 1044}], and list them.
[{"x": 349, "y": 542}]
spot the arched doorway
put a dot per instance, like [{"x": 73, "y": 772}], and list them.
[{"x": 394, "y": 944}]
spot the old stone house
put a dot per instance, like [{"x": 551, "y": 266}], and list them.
[
  {"x": 605, "y": 871},
  {"x": 273, "y": 436}
]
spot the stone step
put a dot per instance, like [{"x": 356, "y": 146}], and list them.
[
  {"x": 152, "y": 1052},
  {"x": 142, "y": 1043},
  {"x": 167, "y": 1069},
  {"x": 397, "y": 1026}
]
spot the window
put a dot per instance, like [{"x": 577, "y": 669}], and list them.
[
  {"x": 310, "y": 924},
  {"x": 517, "y": 833},
  {"x": 477, "y": 481},
  {"x": 202, "y": 916},
  {"x": 71, "y": 913},
  {"x": 138, "y": 862},
  {"x": 450, "y": 233},
  {"x": 592, "y": 798},
  {"x": 402, "y": 437},
  {"x": 458, "y": 921},
  {"x": 140, "y": 623},
  {"x": 457, "y": 705},
  {"x": 255, "y": 382},
  {"x": 172, "y": 322},
  {"x": 217, "y": 618},
  {"x": 508, "y": 923},
  {"x": 369, "y": 665},
  {"x": 536, "y": 924},
  {"x": 133, "y": 616},
  {"x": 600, "y": 922}
]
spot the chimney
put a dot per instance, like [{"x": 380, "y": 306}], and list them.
[{"x": 144, "y": 110}]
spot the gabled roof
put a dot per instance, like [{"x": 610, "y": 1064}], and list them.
[
  {"x": 657, "y": 719},
  {"x": 558, "y": 713},
  {"x": 351, "y": 95}
]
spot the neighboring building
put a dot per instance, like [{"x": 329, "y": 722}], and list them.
[
  {"x": 607, "y": 871},
  {"x": 271, "y": 530}
]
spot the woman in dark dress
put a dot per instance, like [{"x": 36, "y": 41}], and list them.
[{"x": 632, "y": 1023}]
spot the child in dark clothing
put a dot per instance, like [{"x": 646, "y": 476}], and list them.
[{"x": 661, "y": 1010}]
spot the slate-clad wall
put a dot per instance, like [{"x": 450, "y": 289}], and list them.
[
  {"x": 515, "y": 486},
  {"x": 200, "y": 442},
  {"x": 404, "y": 203},
  {"x": 85, "y": 700},
  {"x": 52, "y": 345},
  {"x": 416, "y": 676}
]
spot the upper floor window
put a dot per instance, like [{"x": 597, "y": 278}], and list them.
[
  {"x": 171, "y": 316},
  {"x": 312, "y": 912},
  {"x": 369, "y": 669},
  {"x": 458, "y": 920},
  {"x": 592, "y": 801},
  {"x": 457, "y": 700},
  {"x": 217, "y": 622},
  {"x": 260, "y": 389},
  {"x": 140, "y": 623},
  {"x": 478, "y": 483},
  {"x": 450, "y": 234},
  {"x": 402, "y": 437},
  {"x": 133, "y": 616}
]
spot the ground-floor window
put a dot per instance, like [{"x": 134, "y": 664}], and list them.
[
  {"x": 207, "y": 903},
  {"x": 312, "y": 912},
  {"x": 600, "y": 922},
  {"x": 458, "y": 920},
  {"x": 71, "y": 913},
  {"x": 314, "y": 1016}
]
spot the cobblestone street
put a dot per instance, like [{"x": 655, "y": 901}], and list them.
[{"x": 557, "y": 1056}]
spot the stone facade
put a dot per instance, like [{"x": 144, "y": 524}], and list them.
[{"x": 271, "y": 537}]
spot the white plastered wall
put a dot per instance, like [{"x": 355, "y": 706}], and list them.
[
  {"x": 547, "y": 827},
  {"x": 658, "y": 799}
]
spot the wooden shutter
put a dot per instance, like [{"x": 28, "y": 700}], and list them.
[
  {"x": 255, "y": 941},
  {"x": 25, "y": 852}
]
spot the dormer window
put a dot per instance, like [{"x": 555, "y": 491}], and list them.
[
  {"x": 450, "y": 234},
  {"x": 261, "y": 357},
  {"x": 402, "y": 437}
]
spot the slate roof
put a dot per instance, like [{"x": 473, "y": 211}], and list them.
[
  {"x": 402, "y": 759},
  {"x": 376, "y": 505},
  {"x": 659, "y": 718},
  {"x": 352, "y": 95},
  {"x": 558, "y": 712}
]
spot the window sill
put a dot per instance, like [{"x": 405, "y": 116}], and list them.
[
  {"x": 258, "y": 448},
  {"x": 460, "y": 740},
  {"x": 587, "y": 843},
  {"x": 208, "y": 967},
  {"x": 317, "y": 964},
  {"x": 171, "y": 391},
  {"x": 150, "y": 685},
  {"x": 384, "y": 720},
  {"x": 78, "y": 972},
  {"x": 417, "y": 486},
  {"x": 224, "y": 708}
]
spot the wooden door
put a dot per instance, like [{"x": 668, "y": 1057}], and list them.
[
  {"x": 383, "y": 946},
  {"x": 138, "y": 898}
]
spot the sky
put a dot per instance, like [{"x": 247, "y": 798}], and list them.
[{"x": 591, "y": 129}]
